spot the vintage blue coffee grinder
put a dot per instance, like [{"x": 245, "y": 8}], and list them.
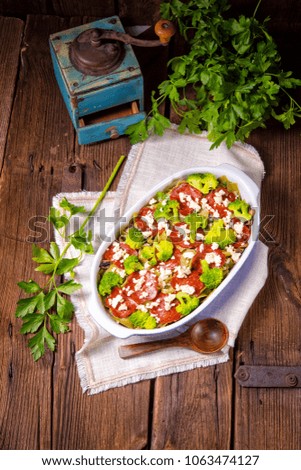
[{"x": 100, "y": 78}]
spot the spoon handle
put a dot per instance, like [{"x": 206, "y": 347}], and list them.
[{"x": 130, "y": 350}]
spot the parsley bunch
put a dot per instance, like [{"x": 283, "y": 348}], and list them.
[
  {"x": 229, "y": 82},
  {"x": 48, "y": 311}
]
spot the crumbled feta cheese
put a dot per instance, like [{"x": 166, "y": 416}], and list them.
[
  {"x": 215, "y": 246},
  {"x": 150, "y": 305},
  {"x": 238, "y": 227},
  {"x": 163, "y": 225},
  {"x": 168, "y": 301},
  {"x": 149, "y": 219},
  {"x": 122, "y": 306},
  {"x": 226, "y": 202},
  {"x": 205, "y": 205},
  {"x": 227, "y": 218},
  {"x": 199, "y": 236},
  {"x": 182, "y": 271},
  {"x": 153, "y": 201},
  {"x": 215, "y": 213},
  {"x": 115, "y": 301},
  {"x": 218, "y": 198},
  {"x": 201, "y": 248},
  {"x": 147, "y": 233},
  {"x": 213, "y": 258},
  {"x": 186, "y": 288},
  {"x": 164, "y": 274},
  {"x": 119, "y": 271},
  {"x": 142, "y": 308},
  {"x": 188, "y": 254},
  {"x": 143, "y": 295},
  {"x": 193, "y": 204},
  {"x": 138, "y": 283},
  {"x": 117, "y": 255},
  {"x": 234, "y": 255}
]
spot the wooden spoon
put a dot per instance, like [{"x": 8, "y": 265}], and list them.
[{"x": 206, "y": 336}]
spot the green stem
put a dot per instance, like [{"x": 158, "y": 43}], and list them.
[
  {"x": 104, "y": 191},
  {"x": 291, "y": 98},
  {"x": 91, "y": 213},
  {"x": 256, "y": 8}
]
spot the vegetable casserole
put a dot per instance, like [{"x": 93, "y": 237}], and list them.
[{"x": 175, "y": 252}]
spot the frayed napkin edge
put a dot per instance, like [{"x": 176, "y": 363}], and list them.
[{"x": 94, "y": 389}]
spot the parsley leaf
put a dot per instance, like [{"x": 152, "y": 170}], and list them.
[
  {"x": 230, "y": 80},
  {"x": 49, "y": 311}
]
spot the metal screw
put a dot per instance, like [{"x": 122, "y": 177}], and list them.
[
  {"x": 114, "y": 134},
  {"x": 291, "y": 380},
  {"x": 243, "y": 375}
]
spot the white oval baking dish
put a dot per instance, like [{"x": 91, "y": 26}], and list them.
[{"x": 248, "y": 190}]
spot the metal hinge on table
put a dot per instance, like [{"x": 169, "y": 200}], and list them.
[{"x": 269, "y": 376}]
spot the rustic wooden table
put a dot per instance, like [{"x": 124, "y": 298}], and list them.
[{"x": 42, "y": 405}]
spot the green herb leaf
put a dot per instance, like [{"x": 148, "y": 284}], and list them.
[
  {"x": 54, "y": 250},
  {"x": 49, "y": 300},
  {"x": 30, "y": 287},
  {"x": 58, "y": 325},
  {"x": 37, "y": 343},
  {"x": 66, "y": 265},
  {"x": 82, "y": 241},
  {"x": 69, "y": 287},
  {"x": 49, "y": 309},
  {"x": 229, "y": 81},
  {"x": 32, "y": 322},
  {"x": 40, "y": 255},
  {"x": 65, "y": 204},
  {"x": 57, "y": 219},
  {"x": 64, "y": 308},
  {"x": 30, "y": 305},
  {"x": 46, "y": 268}
]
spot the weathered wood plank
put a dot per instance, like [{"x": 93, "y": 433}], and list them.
[
  {"x": 25, "y": 7},
  {"x": 271, "y": 332},
  {"x": 32, "y": 172},
  {"x": 133, "y": 13},
  {"x": 11, "y": 30},
  {"x": 83, "y": 8},
  {"x": 192, "y": 410}
]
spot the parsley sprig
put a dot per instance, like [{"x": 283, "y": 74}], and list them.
[
  {"x": 229, "y": 82},
  {"x": 48, "y": 311}
]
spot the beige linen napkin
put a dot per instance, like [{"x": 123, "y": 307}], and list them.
[{"x": 99, "y": 365}]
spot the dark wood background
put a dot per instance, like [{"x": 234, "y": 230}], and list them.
[{"x": 42, "y": 405}]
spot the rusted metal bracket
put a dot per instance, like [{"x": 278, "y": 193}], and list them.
[{"x": 269, "y": 376}]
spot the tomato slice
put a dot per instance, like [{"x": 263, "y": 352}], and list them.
[
  {"x": 110, "y": 253},
  {"x": 182, "y": 193},
  {"x": 192, "y": 280},
  {"x": 246, "y": 232},
  {"x": 146, "y": 285},
  {"x": 119, "y": 304},
  {"x": 163, "y": 315},
  {"x": 227, "y": 195},
  {"x": 145, "y": 221},
  {"x": 173, "y": 262}
]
